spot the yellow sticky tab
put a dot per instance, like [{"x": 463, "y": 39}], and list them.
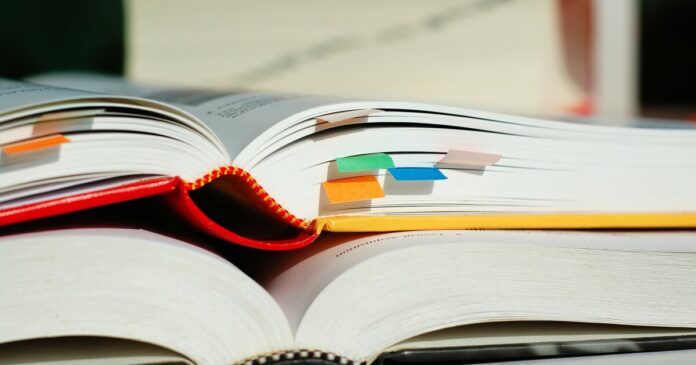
[
  {"x": 353, "y": 189},
  {"x": 35, "y": 144}
]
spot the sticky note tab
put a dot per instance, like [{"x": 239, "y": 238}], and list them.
[
  {"x": 341, "y": 116},
  {"x": 417, "y": 173},
  {"x": 364, "y": 162},
  {"x": 467, "y": 159},
  {"x": 35, "y": 144},
  {"x": 353, "y": 189}
]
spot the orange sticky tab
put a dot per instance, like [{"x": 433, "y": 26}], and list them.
[
  {"x": 353, "y": 189},
  {"x": 35, "y": 144}
]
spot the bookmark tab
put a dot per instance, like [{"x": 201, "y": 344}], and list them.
[
  {"x": 417, "y": 173},
  {"x": 35, "y": 144},
  {"x": 467, "y": 159},
  {"x": 372, "y": 161},
  {"x": 353, "y": 189},
  {"x": 341, "y": 116}
]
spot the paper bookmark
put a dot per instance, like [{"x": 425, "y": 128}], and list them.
[
  {"x": 416, "y": 173},
  {"x": 372, "y": 161},
  {"x": 467, "y": 159},
  {"x": 353, "y": 189},
  {"x": 341, "y": 116},
  {"x": 35, "y": 144}
]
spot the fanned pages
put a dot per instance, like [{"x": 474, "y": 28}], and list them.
[
  {"x": 134, "y": 285},
  {"x": 312, "y": 163},
  {"x": 350, "y": 297}
]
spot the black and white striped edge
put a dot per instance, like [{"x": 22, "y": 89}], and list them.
[{"x": 298, "y": 355}]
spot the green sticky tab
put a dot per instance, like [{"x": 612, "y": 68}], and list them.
[{"x": 364, "y": 162}]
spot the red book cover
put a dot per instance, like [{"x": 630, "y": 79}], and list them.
[{"x": 177, "y": 194}]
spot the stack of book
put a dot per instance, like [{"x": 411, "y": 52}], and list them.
[{"x": 145, "y": 224}]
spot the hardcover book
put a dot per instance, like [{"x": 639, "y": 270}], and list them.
[
  {"x": 272, "y": 171},
  {"x": 408, "y": 297}
]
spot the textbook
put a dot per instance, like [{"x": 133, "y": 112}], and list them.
[
  {"x": 350, "y": 298},
  {"x": 273, "y": 171}
]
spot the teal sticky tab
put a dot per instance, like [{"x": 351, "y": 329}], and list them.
[
  {"x": 372, "y": 161},
  {"x": 417, "y": 173}
]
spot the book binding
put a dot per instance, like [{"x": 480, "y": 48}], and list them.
[
  {"x": 177, "y": 193},
  {"x": 302, "y": 356},
  {"x": 266, "y": 200}
]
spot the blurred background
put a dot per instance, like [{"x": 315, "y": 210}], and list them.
[{"x": 614, "y": 62}]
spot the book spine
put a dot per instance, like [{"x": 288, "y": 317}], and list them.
[
  {"x": 184, "y": 205},
  {"x": 264, "y": 198},
  {"x": 175, "y": 192},
  {"x": 297, "y": 356}
]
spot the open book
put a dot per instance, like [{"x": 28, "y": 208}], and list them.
[
  {"x": 272, "y": 171},
  {"x": 349, "y": 298}
]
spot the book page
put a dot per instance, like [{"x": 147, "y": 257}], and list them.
[
  {"x": 19, "y": 94},
  {"x": 239, "y": 119},
  {"x": 236, "y": 117},
  {"x": 359, "y": 296},
  {"x": 333, "y": 255},
  {"x": 109, "y": 283}
]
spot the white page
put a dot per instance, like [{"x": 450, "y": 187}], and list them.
[
  {"x": 332, "y": 255},
  {"x": 236, "y": 118},
  {"x": 240, "y": 119},
  {"x": 134, "y": 284},
  {"x": 18, "y": 94}
]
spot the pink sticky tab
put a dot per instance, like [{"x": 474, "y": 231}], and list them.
[{"x": 467, "y": 159}]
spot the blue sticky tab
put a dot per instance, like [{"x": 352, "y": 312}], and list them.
[{"x": 416, "y": 173}]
